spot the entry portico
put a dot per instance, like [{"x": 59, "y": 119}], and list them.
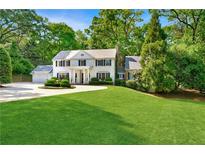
[{"x": 80, "y": 74}]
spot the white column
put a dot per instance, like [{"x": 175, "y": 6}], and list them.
[
  {"x": 88, "y": 72},
  {"x": 73, "y": 76},
  {"x": 84, "y": 76}
]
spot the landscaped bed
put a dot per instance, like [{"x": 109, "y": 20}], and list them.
[{"x": 117, "y": 115}]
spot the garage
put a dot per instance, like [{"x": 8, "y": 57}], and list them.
[{"x": 42, "y": 73}]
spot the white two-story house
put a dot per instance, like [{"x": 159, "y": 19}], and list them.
[{"x": 79, "y": 66}]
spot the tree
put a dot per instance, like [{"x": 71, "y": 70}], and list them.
[
  {"x": 190, "y": 18},
  {"x": 188, "y": 66},
  {"x": 117, "y": 28},
  {"x": 82, "y": 40},
  {"x": 17, "y": 23},
  {"x": 20, "y": 65},
  {"x": 5, "y": 67},
  {"x": 155, "y": 74}
]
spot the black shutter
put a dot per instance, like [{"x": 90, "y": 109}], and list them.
[
  {"x": 110, "y": 62},
  {"x": 57, "y": 75},
  {"x": 78, "y": 62},
  {"x": 97, "y": 75},
  {"x": 96, "y": 62}
]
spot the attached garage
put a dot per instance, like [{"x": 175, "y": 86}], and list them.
[{"x": 42, "y": 73}]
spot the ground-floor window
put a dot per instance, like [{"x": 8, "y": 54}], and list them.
[
  {"x": 63, "y": 75},
  {"x": 103, "y": 75},
  {"x": 121, "y": 75}
]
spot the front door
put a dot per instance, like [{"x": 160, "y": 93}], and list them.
[{"x": 82, "y": 78}]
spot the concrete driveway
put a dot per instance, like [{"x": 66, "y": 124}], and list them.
[{"x": 26, "y": 90}]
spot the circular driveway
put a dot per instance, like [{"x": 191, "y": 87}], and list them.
[{"x": 26, "y": 90}]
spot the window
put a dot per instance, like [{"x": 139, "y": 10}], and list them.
[
  {"x": 99, "y": 62},
  {"x": 121, "y": 75},
  {"x": 62, "y": 63},
  {"x": 82, "y": 63},
  {"x": 107, "y": 62},
  {"x": 56, "y": 63},
  {"x": 103, "y": 62},
  {"x": 63, "y": 75},
  {"x": 68, "y": 63},
  {"x": 103, "y": 76}
]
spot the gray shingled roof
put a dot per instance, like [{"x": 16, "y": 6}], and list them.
[
  {"x": 95, "y": 53},
  {"x": 43, "y": 68},
  {"x": 132, "y": 62}
]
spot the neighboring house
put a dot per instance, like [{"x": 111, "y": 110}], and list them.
[
  {"x": 42, "y": 73},
  {"x": 132, "y": 66},
  {"x": 79, "y": 66}
]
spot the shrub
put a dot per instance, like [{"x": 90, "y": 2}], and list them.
[
  {"x": 54, "y": 78},
  {"x": 119, "y": 82},
  {"x": 131, "y": 84},
  {"x": 5, "y": 67},
  {"x": 94, "y": 79},
  {"x": 52, "y": 82},
  {"x": 108, "y": 79},
  {"x": 64, "y": 83}
]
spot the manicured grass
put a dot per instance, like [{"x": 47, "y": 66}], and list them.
[{"x": 116, "y": 115}]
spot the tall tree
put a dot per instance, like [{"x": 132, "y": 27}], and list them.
[
  {"x": 117, "y": 28},
  {"x": 155, "y": 76},
  {"x": 5, "y": 67},
  {"x": 191, "y": 19},
  {"x": 82, "y": 40}
]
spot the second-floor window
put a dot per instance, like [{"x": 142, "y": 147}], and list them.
[
  {"x": 103, "y": 62},
  {"x": 62, "y": 63},
  {"x": 68, "y": 63},
  {"x": 81, "y": 62}
]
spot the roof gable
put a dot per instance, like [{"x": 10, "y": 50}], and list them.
[
  {"x": 43, "y": 68},
  {"x": 93, "y": 53},
  {"x": 81, "y": 54},
  {"x": 132, "y": 62}
]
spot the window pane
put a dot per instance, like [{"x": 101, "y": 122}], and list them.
[
  {"x": 107, "y": 62},
  {"x": 99, "y": 62}
]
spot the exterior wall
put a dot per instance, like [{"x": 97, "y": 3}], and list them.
[
  {"x": 41, "y": 77},
  {"x": 93, "y": 70}
]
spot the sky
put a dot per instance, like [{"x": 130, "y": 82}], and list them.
[{"x": 80, "y": 19}]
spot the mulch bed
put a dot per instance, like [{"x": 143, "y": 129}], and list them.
[{"x": 185, "y": 94}]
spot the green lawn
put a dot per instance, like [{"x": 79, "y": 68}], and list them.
[{"x": 116, "y": 115}]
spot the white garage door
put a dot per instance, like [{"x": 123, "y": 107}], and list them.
[{"x": 40, "y": 77}]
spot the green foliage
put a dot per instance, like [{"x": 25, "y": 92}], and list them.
[
  {"x": 53, "y": 83},
  {"x": 20, "y": 65},
  {"x": 108, "y": 79},
  {"x": 54, "y": 78},
  {"x": 96, "y": 81},
  {"x": 188, "y": 66},
  {"x": 65, "y": 83},
  {"x": 119, "y": 82},
  {"x": 155, "y": 76},
  {"x": 117, "y": 28},
  {"x": 131, "y": 84},
  {"x": 82, "y": 40},
  {"x": 5, "y": 67}
]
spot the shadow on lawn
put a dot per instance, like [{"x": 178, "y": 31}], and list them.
[{"x": 64, "y": 122}]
